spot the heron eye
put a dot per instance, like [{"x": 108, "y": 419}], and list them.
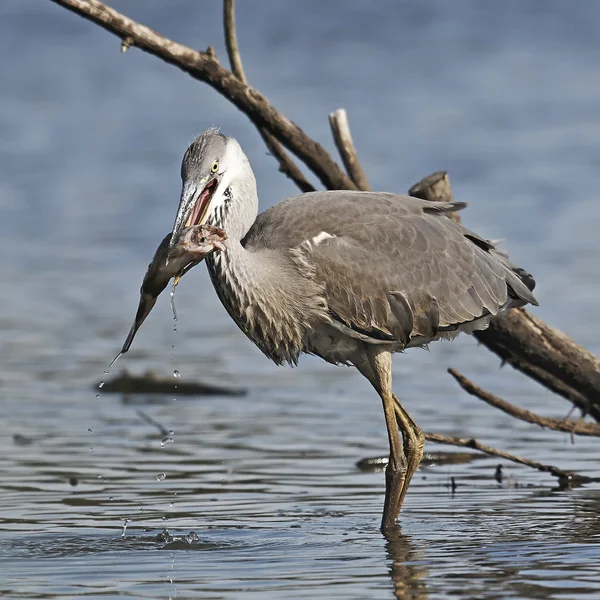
[
  {"x": 202, "y": 240},
  {"x": 215, "y": 167}
]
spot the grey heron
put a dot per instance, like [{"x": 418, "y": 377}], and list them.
[{"x": 349, "y": 276}]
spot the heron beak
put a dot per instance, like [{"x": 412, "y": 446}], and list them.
[{"x": 193, "y": 206}]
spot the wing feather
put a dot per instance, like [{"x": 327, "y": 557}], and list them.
[{"x": 392, "y": 266}]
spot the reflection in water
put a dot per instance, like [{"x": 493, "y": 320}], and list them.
[{"x": 408, "y": 569}]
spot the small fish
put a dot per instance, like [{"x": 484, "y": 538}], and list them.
[{"x": 193, "y": 245}]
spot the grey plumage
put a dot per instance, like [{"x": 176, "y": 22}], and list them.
[
  {"x": 391, "y": 261},
  {"x": 349, "y": 276}
]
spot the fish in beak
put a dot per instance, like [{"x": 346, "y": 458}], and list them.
[{"x": 173, "y": 261}]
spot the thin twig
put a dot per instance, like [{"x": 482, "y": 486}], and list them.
[
  {"x": 568, "y": 426},
  {"x": 204, "y": 67},
  {"x": 564, "y": 476},
  {"x": 286, "y": 164},
  {"x": 235, "y": 60},
  {"x": 340, "y": 129}
]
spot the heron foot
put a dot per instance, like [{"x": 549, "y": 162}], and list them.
[
  {"x": 395, "y": 476},
  {"x": 413, "y": 441}
]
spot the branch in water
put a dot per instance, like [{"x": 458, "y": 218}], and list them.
[
  {"x": 568, "y": 426},
  {"x": 566, "y": 478}
]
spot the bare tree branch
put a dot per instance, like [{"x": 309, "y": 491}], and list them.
[
  {"x": 568, "y": 426},
  {"x": 204, "y": 67},
  {"x": 235, "y": 60},
  {"x": 566, "y": 477},
  {"x": 340, "y": 129},
  {"x": 286, "y": 164}
]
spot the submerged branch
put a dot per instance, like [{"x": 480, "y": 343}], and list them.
[
  {"x": 565, "y": 425},
  {"x": 566, "y": 478}
]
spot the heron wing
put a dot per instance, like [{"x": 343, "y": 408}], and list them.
[{"x": 392, "y": 267}]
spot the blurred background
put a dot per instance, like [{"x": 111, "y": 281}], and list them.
[{"x": 504, "y": 96}]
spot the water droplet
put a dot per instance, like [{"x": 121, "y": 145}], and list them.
[
  {"x": 97, "y": 396},
  {"x": 173, "y": 347},
  {"x": 171, "y": 432},
  {"x": 90, "y": 430},
  {"x": 110, "y": 498},
  {"x": 176, "y": 373},
  {"x": 125, "y": 523},
  {"x": 173, "y": 301},
  {"x": 165, "y": 441},
  {"x": 91, "y": 448},
  {"x": 142, "y": 509},
  {"x": 161, "y": 477},
  {"x": 174, "y": 493},
  {"x": 165, "y": 518},
  {"x": 101, "y": 385},
  {"x": 171, "y": 504},
  {"x": 99, "y": 476}
]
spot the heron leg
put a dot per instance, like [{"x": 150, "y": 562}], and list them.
[
  {"x": 378, "y": 370},
  {"x": 413, "y": 440}
]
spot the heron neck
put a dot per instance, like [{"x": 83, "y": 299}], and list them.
[
  {"x": 267, "y": 297},
  {"x": 240, "y": 207}
]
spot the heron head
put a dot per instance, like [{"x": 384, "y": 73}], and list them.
[{"x": 211, "y": 168}]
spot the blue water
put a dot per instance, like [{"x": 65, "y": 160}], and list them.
[{"x": 505, "y": 96}]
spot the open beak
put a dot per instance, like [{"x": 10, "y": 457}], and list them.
[{"x": 193, "y": 205}]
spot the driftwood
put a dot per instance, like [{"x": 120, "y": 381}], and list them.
[
  {"x": 565, "y": 478},
  {"x": 520, "y": 339},
  {"x": 579, "y": 427},
  {"x": 149, "y": 383}
]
